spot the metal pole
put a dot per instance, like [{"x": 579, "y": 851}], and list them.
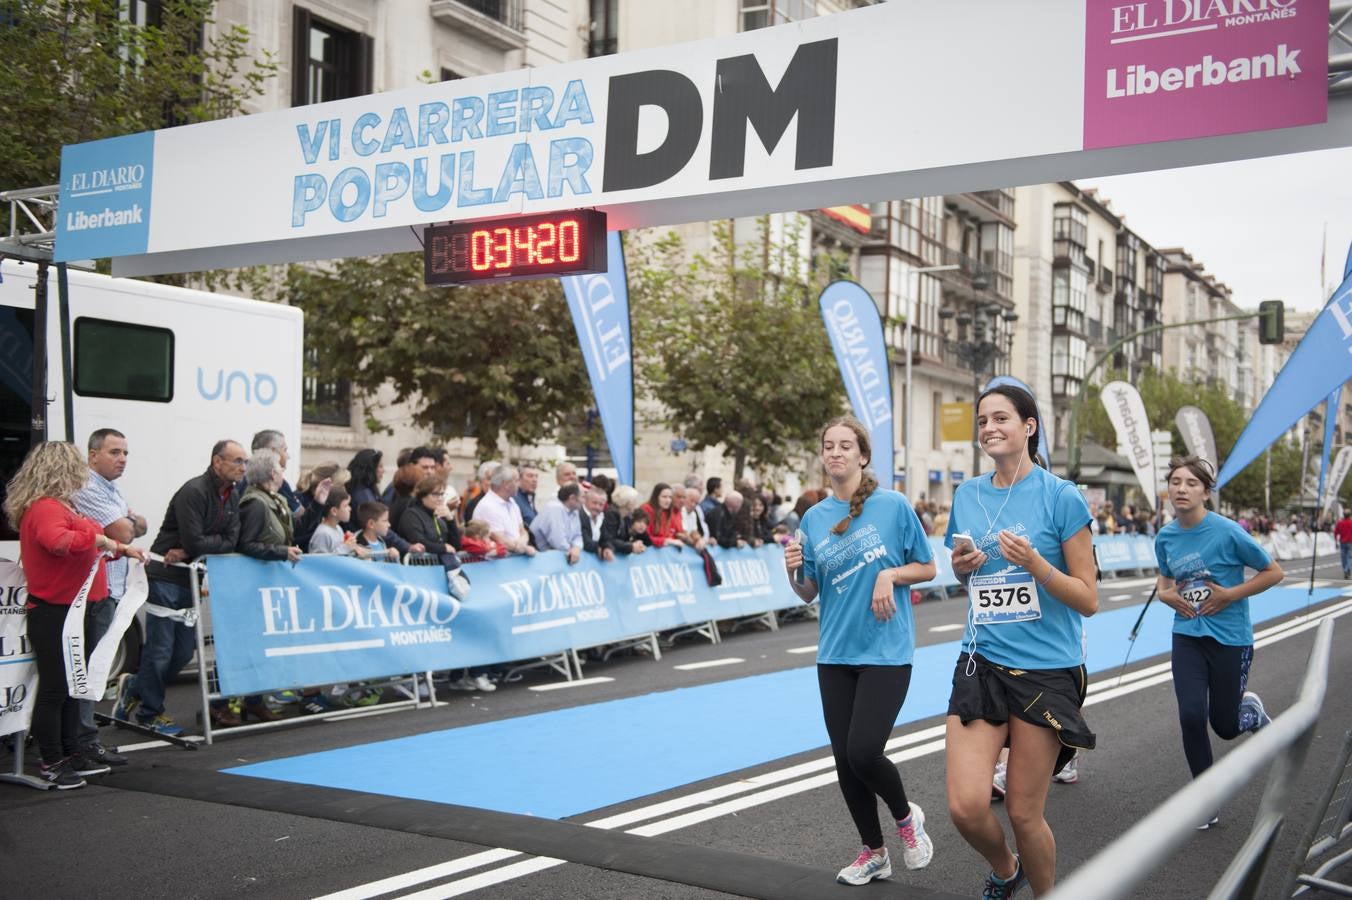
[{"x": 911, "y": 298}]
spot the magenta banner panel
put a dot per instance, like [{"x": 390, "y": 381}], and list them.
[{"x": 1166, "y": 70}]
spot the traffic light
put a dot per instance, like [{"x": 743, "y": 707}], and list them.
[{"x": 1271, "y": 322}]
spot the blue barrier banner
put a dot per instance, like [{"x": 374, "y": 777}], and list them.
[
  {"x": 334, "y": 619},
  {"x": 1124, "y": 551},
  {"x": 1321, "y": 362},
  {"x": 856, "y": 330},
  {"x": 600, "y": 308}
]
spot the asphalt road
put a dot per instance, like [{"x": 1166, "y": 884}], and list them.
[{"x": 170, "y": 826}]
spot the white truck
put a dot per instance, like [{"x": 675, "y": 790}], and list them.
[{"x": 174, "y": 370}]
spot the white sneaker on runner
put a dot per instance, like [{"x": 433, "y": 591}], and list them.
[
  {"x": 1070, "y": 772},
  {"x": 866, "y": 867},
  {"x": 916, "y": 847},
  {"x": 998, "y": 783},
  {"x": 482, "y": 683}
]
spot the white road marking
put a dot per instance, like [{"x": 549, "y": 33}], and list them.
[
  {"x": 784, "y": 782},
  {"x": 581, "y": 682},
  {"x": 957, "y": 627},
  {"x": 812, "y": 649},
  {"x": 710, "y": 663},
  {"x": 1117, "y": 598}
]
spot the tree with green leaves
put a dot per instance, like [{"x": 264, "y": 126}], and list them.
[
  {"x": 494, "y": 360},
  {"x": 1163, "y": 393},
  {"x": 77, "y": 70},
  {"x": 731, "y": 345}
]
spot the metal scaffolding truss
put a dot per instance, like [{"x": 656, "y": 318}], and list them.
[
  {"x": 1340, "y": 46},
  {"x": 30, "y": 231}
]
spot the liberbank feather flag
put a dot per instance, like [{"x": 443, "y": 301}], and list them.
[
  {"x": 856, "y": 332},
  {"x": 1127, "y": 413},
  {"x": 1045, "y": 442},
  {"x": 600, "y": 307},
  {"x": 1331, "y": 407},
  {"x": 1197, "y": 434},
  {"x": 1341, "y": 465},
  {"x": 1321, "y": 361}
]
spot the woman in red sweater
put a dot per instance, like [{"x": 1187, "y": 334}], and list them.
[
  {"x": 57, "y": 548},
  {"x": 664, "y": 521}
]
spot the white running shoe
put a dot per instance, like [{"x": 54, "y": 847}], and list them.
[
  {"x": 1070, "y": 772},
  {"x": 916, "y": 847},
  {"x": 1214, "y": 820},
  {"x": 998, "y": 783},
  {"x": 866, "y": 867},
  {"x": 482, "y": 683}
]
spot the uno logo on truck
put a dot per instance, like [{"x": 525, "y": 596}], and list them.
[{"x": 260, "y": 389}]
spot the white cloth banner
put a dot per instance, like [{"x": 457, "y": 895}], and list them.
[
  {"x": 18, "y": 672},
  {"x": 87, "y": 673},
  {"x": 1127, "y": 413},
  {"x": 1337, "y": 472}
]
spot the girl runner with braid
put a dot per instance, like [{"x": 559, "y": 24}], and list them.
[
  {"x": 860, "y": 549},
  {"x": 1021, "y": 544}
]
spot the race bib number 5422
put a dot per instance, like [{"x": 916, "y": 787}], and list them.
[{"x": 1001, "y": 599}]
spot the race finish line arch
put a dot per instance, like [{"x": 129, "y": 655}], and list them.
[{"x": 1072, "y": 88}]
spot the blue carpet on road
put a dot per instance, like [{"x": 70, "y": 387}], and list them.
[{"x": 563, "y": 763}]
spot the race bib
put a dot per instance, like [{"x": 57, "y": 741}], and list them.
[
  {"x": 1001, "y": 599},
  {"x": 1196, "y": 593}
]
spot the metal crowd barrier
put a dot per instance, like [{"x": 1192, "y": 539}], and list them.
[
  {"x": 1135, "y": 856},
  {"x": 1326, "y": 834}
]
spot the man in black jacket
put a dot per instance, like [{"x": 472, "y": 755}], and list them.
[
  {"x": 202, "y": 518},
  {"x": 723, "y": 522},
  {"x": 600, "y": 526}
]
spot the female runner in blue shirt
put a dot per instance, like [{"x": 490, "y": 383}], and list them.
[
  {"x": 864, "y": 547},
  {"x": 1201, "y": 558},
  {"x": 1020, "y": 680}
]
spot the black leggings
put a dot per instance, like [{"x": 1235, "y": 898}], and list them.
[
  {"x": 1209, "y": 681},
  {"x": 860, "y": 705},
  {"x": 56, "y": 716}
]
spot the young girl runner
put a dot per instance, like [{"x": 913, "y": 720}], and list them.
[
  {"x": 864, "y": 547},
  {"x": 1028, "y": 563},
  {"x": 1202, "y": 556}
]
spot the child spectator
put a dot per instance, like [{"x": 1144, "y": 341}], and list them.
[
  {"x": 478, "y": 542},
  {"x": 638, "y": 527},
  {"x": 376, "y": 536},
  {"x": 329, "y": 537}
]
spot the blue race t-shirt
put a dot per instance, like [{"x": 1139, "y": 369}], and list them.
[
  {"x": 885, "y": 535},
  {"x": 1217, "y": 550},
  {"x": 1048, "y": 511}
]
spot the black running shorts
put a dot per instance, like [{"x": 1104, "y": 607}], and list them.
[{"x": 1051, "y": 698}]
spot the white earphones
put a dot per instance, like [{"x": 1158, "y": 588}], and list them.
[{"x": 1028, "y": 430}]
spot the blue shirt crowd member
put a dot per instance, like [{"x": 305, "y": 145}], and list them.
[
  {"x": 1201, "y": 557},
  {"x": 885, "y": 535},
  {"x": 1047, "y": 511},
  {"x": 859, "y": 551},
  {"x": 1215, "y": 550}
]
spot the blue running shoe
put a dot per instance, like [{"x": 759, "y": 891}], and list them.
[
  {"x": 161, "y": 724},
  {"x": 866, "y": 867},
  {"x": 1003, "y": 889},
  {"x": 126, "y": 703},
  {"x": 1251, "y": 711}
]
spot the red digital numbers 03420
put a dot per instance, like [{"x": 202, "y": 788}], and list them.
[{"x": 518, "y": 247}]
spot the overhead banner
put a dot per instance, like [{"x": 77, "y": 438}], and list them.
[
  {"x": 18, "y": 668},
  {"x": 1045, "y": 442},
  {"x": 1127, "y": 413},
  {"x": 1342, "y": 463},
  {"x": 334, "y": 619},
  {"x": 856, "y": 331},
  {"x": 1195, "y": 427},
  {"x": 772, "y": 119},
  {"x": 600, "y": 307},
  {"x": 1321, "y": 362}
]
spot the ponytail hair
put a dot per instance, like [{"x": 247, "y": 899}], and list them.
[
  {"x": 868, "y": 484},
  {"x": 1026, "y": 407}
]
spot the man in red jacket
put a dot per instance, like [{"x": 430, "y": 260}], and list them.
[{"x": 1344, "y": 532}]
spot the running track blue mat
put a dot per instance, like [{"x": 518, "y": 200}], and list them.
[{"x": 567, "y": 762}]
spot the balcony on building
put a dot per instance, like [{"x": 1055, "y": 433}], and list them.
[
  {"x": 498, "y": 23},
  {"x": 984, "y": 205},
  {"x": 970, "y": 269},
  {"x": 1105, "y": 280}
]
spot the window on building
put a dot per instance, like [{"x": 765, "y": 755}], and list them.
[
  {"x": 450, "y": 74},
  {"x": 329, "y": 62},
  {"x": 124, "y": 361},
  {"x": 324, "y": 402},
  {"x": 143, "y": 12},
  {"x": 764, "y": 13},
  {"x": 937, "y": 425},
  {"x": 1070, "y": 223},
  {"x": 604, "y": 38}
]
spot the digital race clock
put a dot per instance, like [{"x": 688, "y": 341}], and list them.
[{"x": 540, "y": 246}]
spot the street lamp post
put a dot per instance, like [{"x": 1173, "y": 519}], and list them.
[
  {"x": 981, "y": 349},
  {"x": 910, "y": 351}
]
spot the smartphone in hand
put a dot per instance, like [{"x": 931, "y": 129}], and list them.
[{"x": 963, "y": 543}]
